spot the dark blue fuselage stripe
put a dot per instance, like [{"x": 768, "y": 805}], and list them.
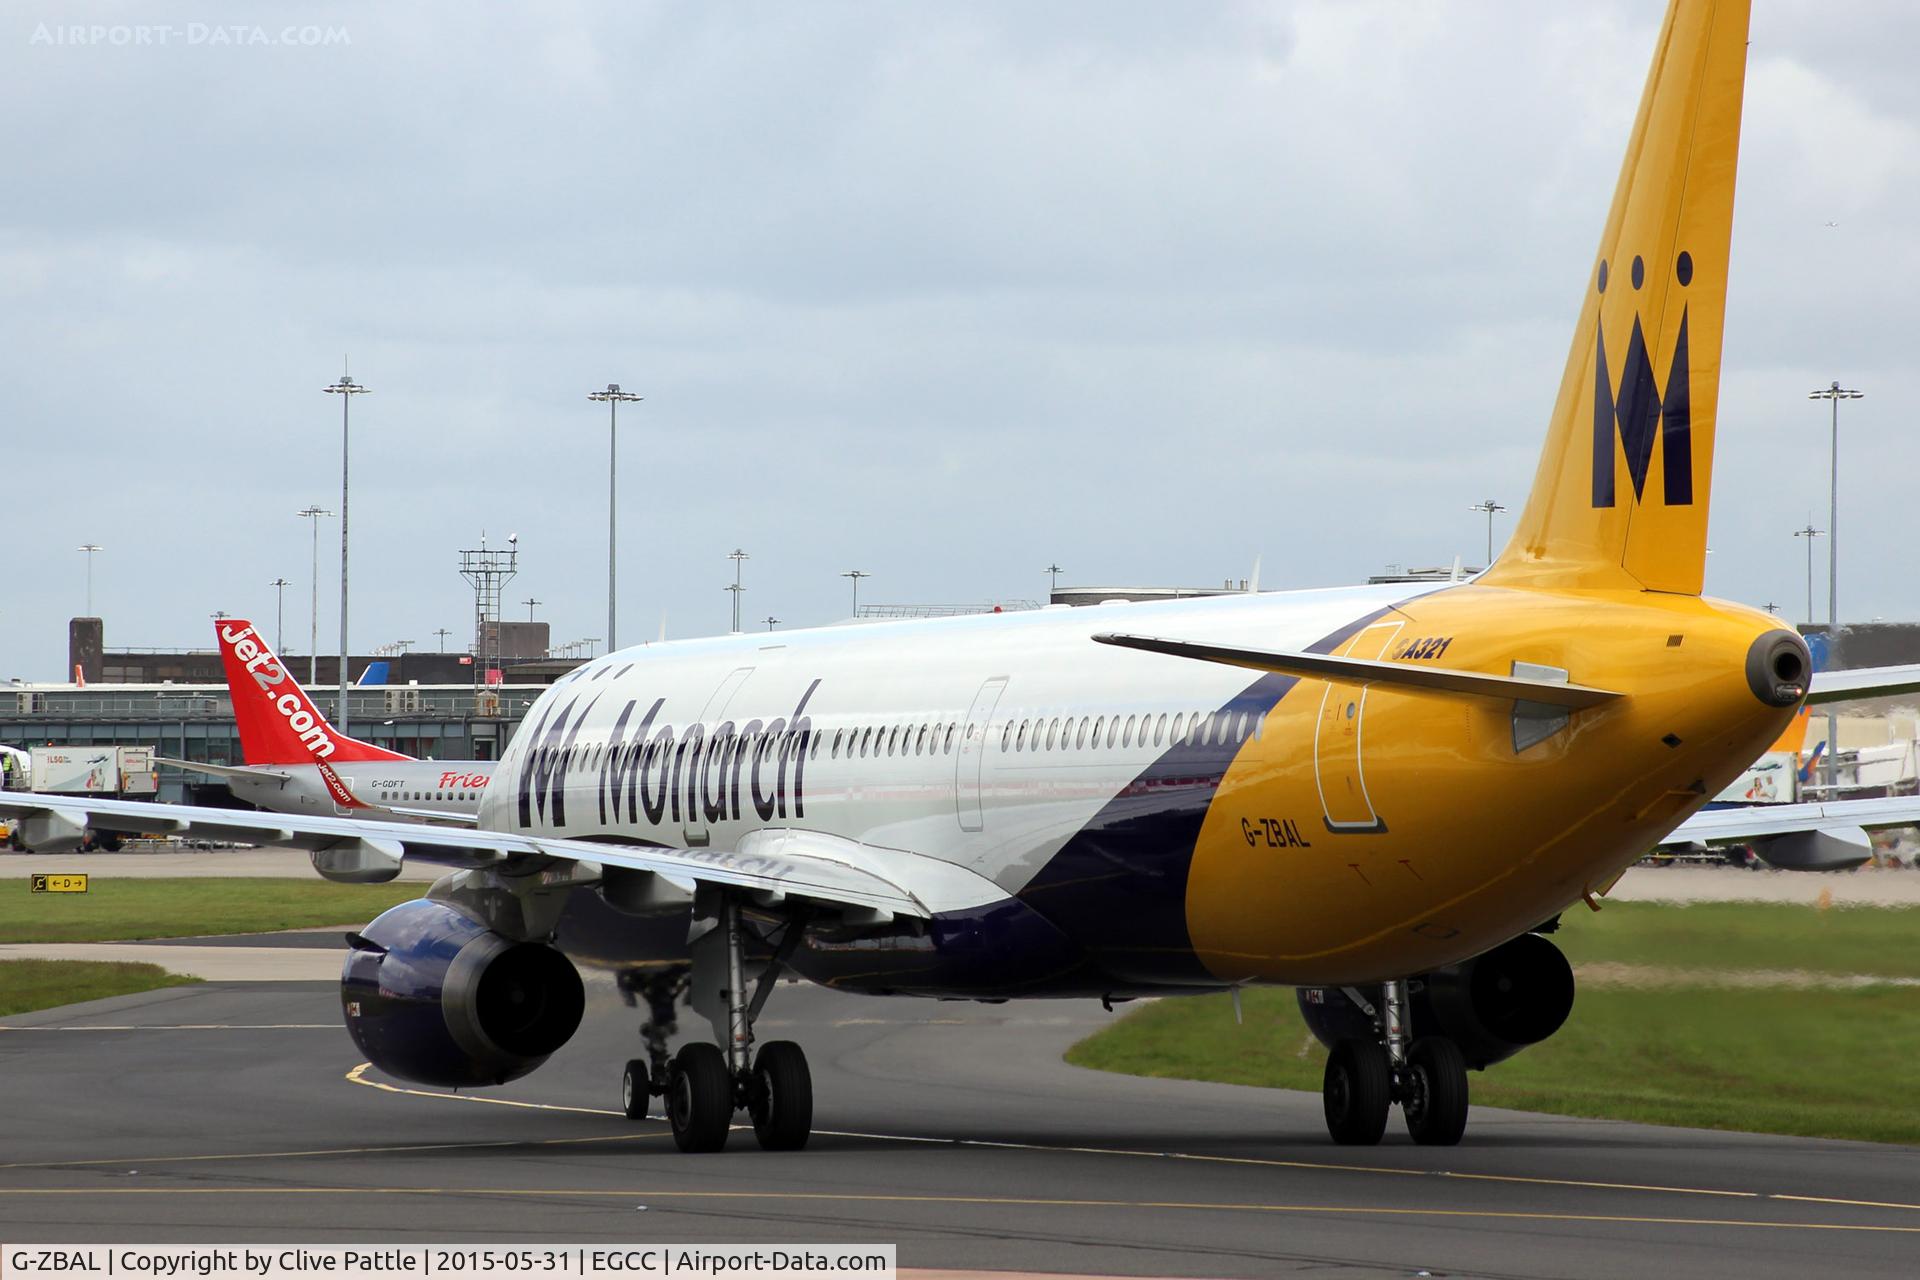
[{"x": 1118, "y": 888}]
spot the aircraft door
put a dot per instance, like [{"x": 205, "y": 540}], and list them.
[
  {"x": 971, "y": 758},
  {"x": 1339, "y": 739},
  {"x": 695, "y": 831}
]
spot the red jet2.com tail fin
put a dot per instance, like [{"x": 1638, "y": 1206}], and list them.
[{"x": 278, "y": 722}]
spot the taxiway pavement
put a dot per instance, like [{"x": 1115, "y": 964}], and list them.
[{"x": 231, "y": 1112}]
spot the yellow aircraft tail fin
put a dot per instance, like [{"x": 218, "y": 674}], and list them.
[{"x": 1620, "y": 498}]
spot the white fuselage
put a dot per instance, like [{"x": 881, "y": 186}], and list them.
[
  {"x": 407, "y": 789},
  {"x": 984, "y": 742}
]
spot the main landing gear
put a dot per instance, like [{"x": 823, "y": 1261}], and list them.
[
  {"x": 705, "y": 1084},
  {"x": 1428, "y": 1078}
]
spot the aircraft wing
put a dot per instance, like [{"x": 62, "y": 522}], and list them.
[
  {"x": 1826, "y": 836},
  {"x": 1757, "y": 821},
  {"x": 369, "y": 851},
  {"x": 1863, "y": 682}
]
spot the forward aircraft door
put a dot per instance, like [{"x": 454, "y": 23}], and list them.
[
  {"x": 712, "y": 770},
  {"x": 968, "y": 761},
  {"x": 1339, "y": 739}
]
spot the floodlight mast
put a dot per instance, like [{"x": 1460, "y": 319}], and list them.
[
  {"x": 346, "y": 389},
  {"x": 614, "y": 397},
  {"x": 90, "y": 548},
  {"x": 1489, "y": 506},
  {"x": 1834, "y": 394},
  {"x": 315, "y": 514},
  {"x": 856, "y": 575},
  {"x": 737, "y": 555},
  {"x": 280, "y": 586}
]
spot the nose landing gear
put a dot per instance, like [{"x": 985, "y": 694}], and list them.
[{"x": 1364, "y": 1078}]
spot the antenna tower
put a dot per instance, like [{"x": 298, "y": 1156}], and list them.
[{"x": 488, "y": 571}]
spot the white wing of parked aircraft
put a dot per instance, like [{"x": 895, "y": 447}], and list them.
[
  {"x": 1758, "y": 821},
  {"x": 1863, "y": 682}
]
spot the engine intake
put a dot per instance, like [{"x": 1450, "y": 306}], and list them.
[
  {"x": 431, "y": 995},
  {"x": 1492, "y": 1006}
]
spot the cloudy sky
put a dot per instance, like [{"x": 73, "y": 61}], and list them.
[{"x": 945, "y": 293}]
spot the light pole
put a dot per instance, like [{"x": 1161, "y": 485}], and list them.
[
  {"x": 1053, "y": 581},
  {"x": 1834, "y": 393},
  {"x": 443, "y": 633},
  {"x": 346, "y": 389},
  {"x": 771, "y": 621},
  {"x": 614, "y": 396},
  {"x": 1809, "y": 533},
  {"x": 530, "y": 602},
  {"x": 856, "y": 575},
  {"x": 1489, "y": 506},
  {"x": 315, "y": 514},
  {"x": 90, "y": 548},
  {"x": 280, "y": 586},
  {"x": 737, "y": 555}
]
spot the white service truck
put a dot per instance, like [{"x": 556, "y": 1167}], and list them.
[{"x": 94, "y": 771}]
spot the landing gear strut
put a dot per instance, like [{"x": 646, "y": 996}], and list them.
[
  {"x": 1364, "y": 1078},
  {"x": 705, "y": 1084}
]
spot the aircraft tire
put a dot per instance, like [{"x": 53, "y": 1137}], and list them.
[
  {"x": 635, "y": 1089},
  {"x": 1436, "y": 1101},
  {"x": 1356, "y": 1093},
  {"x": 699, "y": 1098},
  {"x": 781, "y": 1097}
]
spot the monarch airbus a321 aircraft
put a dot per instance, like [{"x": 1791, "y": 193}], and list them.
[
  {"x": 297, "y": 762},
  {"x": 1379, "y": 795}
]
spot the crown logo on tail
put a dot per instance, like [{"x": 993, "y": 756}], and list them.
[{"x": 1638, "y": 411}]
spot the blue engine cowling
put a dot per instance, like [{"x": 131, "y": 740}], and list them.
[
  {"x": 1492, "y": 1006},
  {"x": 431, "y": 995}
]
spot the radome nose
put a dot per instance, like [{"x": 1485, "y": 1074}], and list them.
[{"x": 1778, "y": 668}]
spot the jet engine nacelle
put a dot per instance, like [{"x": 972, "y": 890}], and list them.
[
  {"x": 1492, "y": 1006},
  {"x": 432, "y": 995}
]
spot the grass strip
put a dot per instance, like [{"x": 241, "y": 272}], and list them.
[
  {"x": 27, "y": 985},
  {"x": 131, "y": 908},
  {"x": 1736, "y": 936},
  {"x": 1770, "y": 1059}
]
